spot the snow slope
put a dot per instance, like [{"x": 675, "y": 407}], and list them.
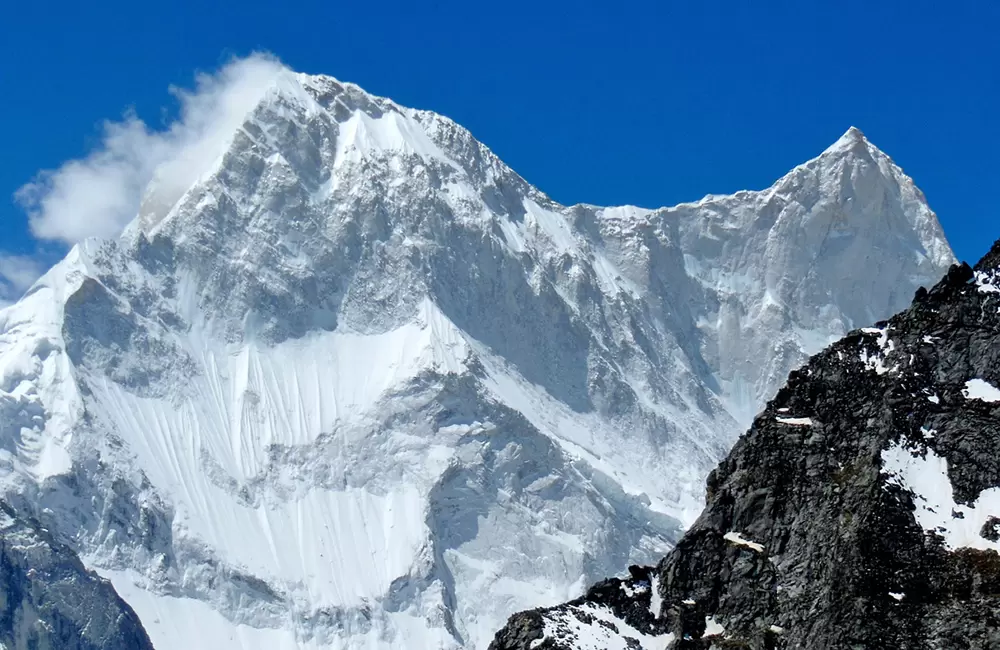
[{"x": 362, "y": 386}]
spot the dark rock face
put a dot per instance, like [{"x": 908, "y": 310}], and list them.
[
  {"x": 824, "y": 527},
  {"x": 49, "y": 601},
  {"x": 991, "y": 529}
]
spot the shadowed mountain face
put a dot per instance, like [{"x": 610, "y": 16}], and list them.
[
  {"x": 861, "y": 510},
  {"x": 362, "y": 386},
  {"x": 51, "y": 602}
]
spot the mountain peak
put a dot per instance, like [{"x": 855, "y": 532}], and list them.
[
  {"x": 853, "y": 141},
  {"x": 365, "y": 368},
  {"x": 853, "y": 133}
]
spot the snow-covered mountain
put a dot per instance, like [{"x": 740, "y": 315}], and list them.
[{"x": 362, "y": 386}]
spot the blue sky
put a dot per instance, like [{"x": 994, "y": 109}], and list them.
[{"x": 609, "y": 103}]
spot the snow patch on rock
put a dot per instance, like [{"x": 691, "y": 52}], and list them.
[
  {"x": 655, "y": 599},
  {"x": 739, "y": 540},
  {"x": 798, "y": 422},
  {"x": 986, "y": 282},
  {"x": 925, "y": 475},
  {"x": 713, "y": 627},
  {"x": 982, "y": 390},
  {"x": 589, "y": 627}
]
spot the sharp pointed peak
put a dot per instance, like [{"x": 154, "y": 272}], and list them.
[
  {"x": 853, "y": 141},
  {"x": 853, "y": 134}
]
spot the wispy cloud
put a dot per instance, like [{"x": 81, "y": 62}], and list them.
[
  {"x": 17, "y": 274},
  {"x": 100, "y": 194}
]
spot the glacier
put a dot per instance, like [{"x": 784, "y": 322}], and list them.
[{"x": 363, "y": 386}]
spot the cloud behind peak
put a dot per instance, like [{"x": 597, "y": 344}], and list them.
[{"x": 99, "y": 194}]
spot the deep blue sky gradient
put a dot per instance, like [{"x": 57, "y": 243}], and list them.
[{"x": 647, "y": 103}]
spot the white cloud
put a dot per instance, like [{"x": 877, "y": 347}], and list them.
[
  {"x": 100, "y": 194},
  {"x": 17, "y": 274}
]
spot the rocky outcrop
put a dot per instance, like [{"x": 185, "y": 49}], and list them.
[
  {"x": 859, "y": 511},
  {"x": 50, "y": 601}
]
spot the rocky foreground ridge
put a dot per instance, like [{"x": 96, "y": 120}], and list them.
[
  {"x": 861, "y": 510},
  {"x": 50, "y": 601}
]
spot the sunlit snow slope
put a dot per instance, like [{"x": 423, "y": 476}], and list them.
[{"x": 361, "y": 386}]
